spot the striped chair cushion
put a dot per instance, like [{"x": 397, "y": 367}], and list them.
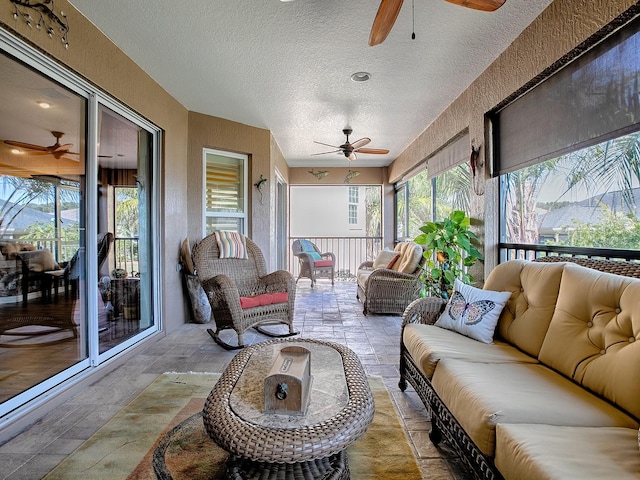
[
  {"x": 231, "y": 244},
  {"x": 307, "y": 247}
]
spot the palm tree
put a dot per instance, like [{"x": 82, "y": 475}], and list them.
[
  {"x": 17, "y": 194},
  {"x": 522, "y": 189},
  {"x": 611, "y": 165}
]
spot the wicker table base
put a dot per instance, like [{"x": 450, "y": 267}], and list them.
[
  {"x": 334, "y": 467},
  {"x": 265, "y": 446}
]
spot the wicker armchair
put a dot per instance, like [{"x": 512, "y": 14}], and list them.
[
  {"x": 241, "y": 293},
  {"x": 313, "y": 264},
  {"x": 390, "y": 290}
]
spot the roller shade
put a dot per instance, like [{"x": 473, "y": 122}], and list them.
[
  {"x": 455, "y": 153},
  {"x": 593, "y": 99},
  {"x": 223, "y": 189}
]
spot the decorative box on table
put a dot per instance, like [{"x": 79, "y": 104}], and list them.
[{"x": 287, "y": 388}]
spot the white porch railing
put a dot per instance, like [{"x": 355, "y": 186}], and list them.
[{"x": 350, "y": 252}]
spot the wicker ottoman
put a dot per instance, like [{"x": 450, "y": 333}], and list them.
[{"x": 264, "y": 445}]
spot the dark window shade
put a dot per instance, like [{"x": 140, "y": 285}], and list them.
[
  {"x": 591, "y": 100},
  {"x": 455, "y": 153}
]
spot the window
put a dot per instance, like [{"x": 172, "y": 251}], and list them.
[
  {"x": 353, "y": 214},
  {"x": 353, "y": 195},
  {"x": 587, "y": 198},
  {"x": 430, "y": 192},
  {"x": 421, "y": 199},
  {"x": 568, "y": 153},
  {"x": 353, "y": 205},
  {"x": 225, "y": 199}
]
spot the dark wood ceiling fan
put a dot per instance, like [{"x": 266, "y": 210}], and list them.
[
  {"x": 389, "y": 9},
  {"x": 57, "y": 149},
  {"x": 349, "y": 149}
]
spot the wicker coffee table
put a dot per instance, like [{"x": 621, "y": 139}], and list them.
[{"x": 267, "y": 445}]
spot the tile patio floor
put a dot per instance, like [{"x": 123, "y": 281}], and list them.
[{"x": 323, "y": 312}]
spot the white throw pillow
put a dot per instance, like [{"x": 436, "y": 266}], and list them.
[
  {"x": 385, "y": 259},
  {"x": 40, "y": 260},
  {"x": 473, "y": 312}
]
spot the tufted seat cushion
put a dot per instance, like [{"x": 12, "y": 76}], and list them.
[
  {"x": 428, "y": 344},
  {"x": 592, "y": 335},
  {"x": 482, "y": 395},
  {"x": 525, "y": 319},
  {"x": 536, "y": 452}
]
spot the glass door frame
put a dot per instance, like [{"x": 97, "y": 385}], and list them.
[{"x": 39, "y": 394}]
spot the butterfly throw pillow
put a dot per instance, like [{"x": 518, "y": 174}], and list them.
[{"x": 473, "y": 312}]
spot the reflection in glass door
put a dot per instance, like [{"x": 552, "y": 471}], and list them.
[
  {"x": 42, "y": 187},
  {"x": 124, "y": 158},
  {"x": 75, "y": 264}
]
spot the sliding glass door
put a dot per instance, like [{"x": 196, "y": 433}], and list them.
[{"x": 77, "y": 226}]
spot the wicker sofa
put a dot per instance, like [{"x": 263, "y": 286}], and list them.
[{"x": 557, "y": 393}]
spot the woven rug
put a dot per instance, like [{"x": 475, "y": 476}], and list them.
[{"x": 124, "y": 447}]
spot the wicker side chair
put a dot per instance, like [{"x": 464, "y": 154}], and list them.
[
  {"x": 313, "y": 264},
  {"x": 241, "y": 293},
  {"x": 390, "y": 290}
]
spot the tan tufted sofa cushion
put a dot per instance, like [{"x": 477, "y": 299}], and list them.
[
  {"x": 526, "y": 317},
  {"x": 593, "y": 334},
  {"x": 410, "y": 255}
]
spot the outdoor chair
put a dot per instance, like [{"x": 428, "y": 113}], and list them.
[
  {"x": 392, "y": 281},
  {"x": 233, "y": 273},
  {"x": 312, "y": 263},
  {"x": 70, "y": 273}
]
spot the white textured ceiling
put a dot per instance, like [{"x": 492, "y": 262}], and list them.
[{"x": 286, "y": 66}]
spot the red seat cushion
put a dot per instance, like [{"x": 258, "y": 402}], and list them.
[
  {"x": 323, "y": 263},
  {"x": 263, "y": 299}
]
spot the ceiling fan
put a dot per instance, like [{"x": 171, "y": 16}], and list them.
[
  {"x": 389, "y": 9},
  {"x": 349, "y": 150},
  {"x": 57, "y": 149}
]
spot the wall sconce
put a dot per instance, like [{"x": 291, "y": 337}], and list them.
[
  {"x": 477, "y": 170},
  {"x": 48, "y": 20},
  {"x": 260, "y": 186}
]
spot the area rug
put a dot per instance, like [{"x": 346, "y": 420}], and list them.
[{"x": 167, "y": 413}]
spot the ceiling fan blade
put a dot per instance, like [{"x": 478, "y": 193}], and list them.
[
  {"x": 483, "y": 5},
  {"x": 360, "y": 143},
  {"x": 385, "y": 18},
  {"x": 374, "y": 151},
  {"x": 326, "y": 144},
  {"x": 61, "y": 148},
  {"x": 324, "y": 153},
  {"x": 28, "y": 146}
]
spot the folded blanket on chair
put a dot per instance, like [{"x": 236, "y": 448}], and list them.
[{"x": 231, "y": 244}]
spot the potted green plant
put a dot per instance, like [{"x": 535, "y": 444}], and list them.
[{"x": 449, "y": 251}]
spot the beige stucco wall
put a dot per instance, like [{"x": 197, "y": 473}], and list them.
[
  {"x": 558, "y": 30},
  {"x": 96, "y": 58},
  {"x": 336, "y": 176},
  {"x": 256, "y": 143}
]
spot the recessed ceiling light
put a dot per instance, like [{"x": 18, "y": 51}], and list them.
[
  {"x": 361, "y": 76},
  {"x": 15, "y": 151},
  {"x": 43, "y": 105}
]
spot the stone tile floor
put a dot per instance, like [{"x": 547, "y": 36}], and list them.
[{"x": 323, "y": 312}]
